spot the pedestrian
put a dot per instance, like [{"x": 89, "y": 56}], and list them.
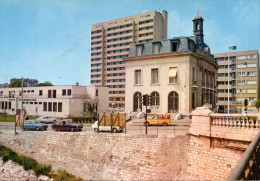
[{"x": 26, "y": 118}]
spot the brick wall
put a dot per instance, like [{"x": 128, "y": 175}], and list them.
[{"x": 126, "y": 157}]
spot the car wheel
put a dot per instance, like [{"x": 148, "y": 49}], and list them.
[
  {"x": 114, "y": 130},
  {"x": 36, "y": 129},
  {"x": 165, "y": 124},
  {"x": 96, "y": 130}
]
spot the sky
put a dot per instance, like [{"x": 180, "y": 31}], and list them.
[{"x": 49, "y": 40}]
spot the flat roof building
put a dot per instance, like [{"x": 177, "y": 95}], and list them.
[
  {"x": 110, "y": 42},
  {"x": 57, "y": 101},
  {"x": 243, "y": 79},
  {"x": 178, "y": 74}
]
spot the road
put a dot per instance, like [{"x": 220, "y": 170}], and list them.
[{"x": 133, "y": 127}]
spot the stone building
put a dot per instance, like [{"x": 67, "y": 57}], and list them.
[
  {"x": 54, "y": 101},
  {"x": 178, "y": 73},
  {"x": 243, "y": 79},
  {"x": 110, "y": 42}
]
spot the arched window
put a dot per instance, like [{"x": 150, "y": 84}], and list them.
[
  {"x": 173, "y": 102},
  {"x": 137, "y": 101},
  {"x": 197, "y": 26},
  {"x": 155, "y": 99}
]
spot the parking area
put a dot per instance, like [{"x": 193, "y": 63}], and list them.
[{"x": 133, "y": 127}]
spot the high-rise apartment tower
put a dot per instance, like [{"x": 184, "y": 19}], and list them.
[
  {"x": 110, "y": 42},
  {"x": 243, "y": 79}
]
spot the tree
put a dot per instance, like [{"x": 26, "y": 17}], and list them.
[
  {"x": 44, "y": 84},
  {"x": 257, "y": 104},
  {"x": 89, "y": 107},
  {"x": 16, "y": 83}
]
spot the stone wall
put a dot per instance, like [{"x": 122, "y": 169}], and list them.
[
  {"x": 126, "y": 157},
  {"x": 210, "y": 163}
]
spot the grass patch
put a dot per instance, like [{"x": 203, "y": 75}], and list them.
[
  {"x": 31, "y": 164},
  {"x": 11, "y": 118}
]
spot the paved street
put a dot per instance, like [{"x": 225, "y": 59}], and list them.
[{"x": 134, "y": 126}]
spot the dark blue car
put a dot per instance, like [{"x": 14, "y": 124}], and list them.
[{"x": 34, "y": 125}]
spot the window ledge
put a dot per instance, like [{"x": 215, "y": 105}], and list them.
[
  {"x": 136, "y": 85},
  {"x": 173, "y": 83},
  {"x": 155, "y": 84}
]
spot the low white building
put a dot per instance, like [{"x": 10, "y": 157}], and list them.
[{"x": 57, "y": 101}]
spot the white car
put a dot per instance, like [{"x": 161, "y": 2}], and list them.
[
  {"x": 46, "y": 119},
  {"x": 115, "y": 129}
]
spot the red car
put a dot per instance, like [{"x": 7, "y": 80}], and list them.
[{"x": 66, "y": 125}]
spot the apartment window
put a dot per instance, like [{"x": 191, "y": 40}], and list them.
[
  {"x": 96, "y": 92},
  {"x": 54, "y": 94},
  {"x": 69, "y": 92},
  {"x": 251, "y": 65},
  {"x": 251, "y": 81},
  {"x": 45, "y": 106},
  {"x": 137, "y": 77},
  {"x": 243, "y": 74},
  {"x": 243, "y": 82},
  {"x": 60, "y": 107},
  {"x": 241, "y": 90},
  {"x": 174, "y": 46},
  {"x": 49, "y": 106},
  {"x": 40, "y": 92},
  {"x": 55, "y": 107},
  {"x": 251, "y": 90},
  {"x": 155, "y": 76},
  {"x": 9, "y": 105},
  {"x": 64, "y": 92},
  {"x": 172, "y": 75},
  {"x": 251, "y": 73},
  {"x": 155, "y": 99},
  {"x": 49, "y": 93}
]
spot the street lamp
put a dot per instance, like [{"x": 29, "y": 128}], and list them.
[
  {"x": 244, "y": 63},
  {"x": 229, "y": 48}
]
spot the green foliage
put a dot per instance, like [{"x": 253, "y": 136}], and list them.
[
  {"x": 63, "y": 175},
  {"x": 39, "y": 169},
  {"x": 257, "y": 104},
  {"x": 27, "y": 162},
  {"x": 89, "y": 106},
  {"x": 11, "y": 118},
  {"x": 44, "y": 84},
  {"x": 82, "y": 119},
  {"x": 16, "y": 83}
]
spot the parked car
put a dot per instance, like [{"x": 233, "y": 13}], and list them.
[
  {"x": 159, "y": 119},
  {"x": 66, "y": 125},
  {"x": 34, "y": 125},
  {"x": 115, "y": 129},
  {"x": 46, "y": 119}
]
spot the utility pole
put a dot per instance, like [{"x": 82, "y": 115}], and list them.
[{"x": 21, "y": 119}]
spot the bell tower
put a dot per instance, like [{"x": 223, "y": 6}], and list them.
[{"x": 198, "y": 29}]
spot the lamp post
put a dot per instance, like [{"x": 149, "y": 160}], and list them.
[
  {"x": 229, "y": 48},
  {"x": 244, "y": 63}
]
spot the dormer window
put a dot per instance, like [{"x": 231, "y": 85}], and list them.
[
  {"x": 174, "y": 46},
  {"x": 156, "y": 47},
  {"x": 139, "y": 50}
]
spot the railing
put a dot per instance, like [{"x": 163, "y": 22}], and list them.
[
  {"x": 248, "y": 166},
  {"x": 234, "y": 121}
]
